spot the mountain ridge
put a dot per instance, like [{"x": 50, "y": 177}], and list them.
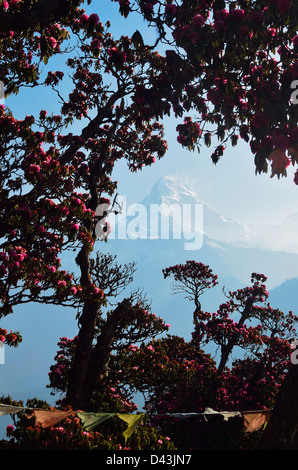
[{"x": 170, "y": 190}]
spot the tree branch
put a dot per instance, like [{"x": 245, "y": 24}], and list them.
[{"x": 227, "y": 349}]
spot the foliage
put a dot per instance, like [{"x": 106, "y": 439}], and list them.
[
  {"x": 175, "y": 376},
  {"x": 53, "y": 181},
  {"x": 240, "y": 64},
  {"x": 70, "y": 434}
]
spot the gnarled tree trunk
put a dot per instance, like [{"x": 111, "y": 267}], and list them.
[{"x": 90, "y": 364}]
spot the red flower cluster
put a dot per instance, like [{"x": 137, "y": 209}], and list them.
[
  {"x": 245, "y": 84},
  {"x": 11, "y": 338}
]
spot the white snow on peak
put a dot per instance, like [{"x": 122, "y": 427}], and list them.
[{"x": 171, "y": 190}]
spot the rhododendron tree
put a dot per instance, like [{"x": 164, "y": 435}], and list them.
[
  {"x": 254, "y": 342},
  {"x": 253, "y": 327},
  {"x": 240, "y": 65},
  {"x": 115, "y": 329},
  {"x": 53, "y": 180},
  {"x": 193, "y": 279},
  {"x": 251, "y": 344}
]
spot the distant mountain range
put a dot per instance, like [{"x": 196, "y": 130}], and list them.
[
  {"x": 280, "y": 237},
  {"x": 171, "y": 191},
  {"x": 231, "y": 249},
  {"x": 283, "y": 236},
  {"x": 234, "y": 249}
]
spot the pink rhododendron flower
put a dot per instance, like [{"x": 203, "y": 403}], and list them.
[
  {"x": 199, "y": 20},
  {"x": 96, "y": 44},
  {"x": 9, "y": 429},
  {"x": 65, "y": 210},
  {"x": 222, "y": 15},
  {"x": 3, "y": 256},
  {"x": 112, "y": 50},
  {"x": 34, "y": 168},
  {"x": 12, "y": 337},
  {"x": 53, "y": 42},
  {"x": 61, "y": 283},
  {"x": 238, "y": 14},
  {"x": 279, "y": 161},
  {"x": 84, "y": 19},
  {"x": 94, "y": 18},
  {"x": 46, "y": 164},
  {"x": 97, "y": 291}
]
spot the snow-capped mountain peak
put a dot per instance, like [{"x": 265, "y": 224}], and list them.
[
  {"x": 169, "y": 190},
  {"x": 173, "y": 197}
]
